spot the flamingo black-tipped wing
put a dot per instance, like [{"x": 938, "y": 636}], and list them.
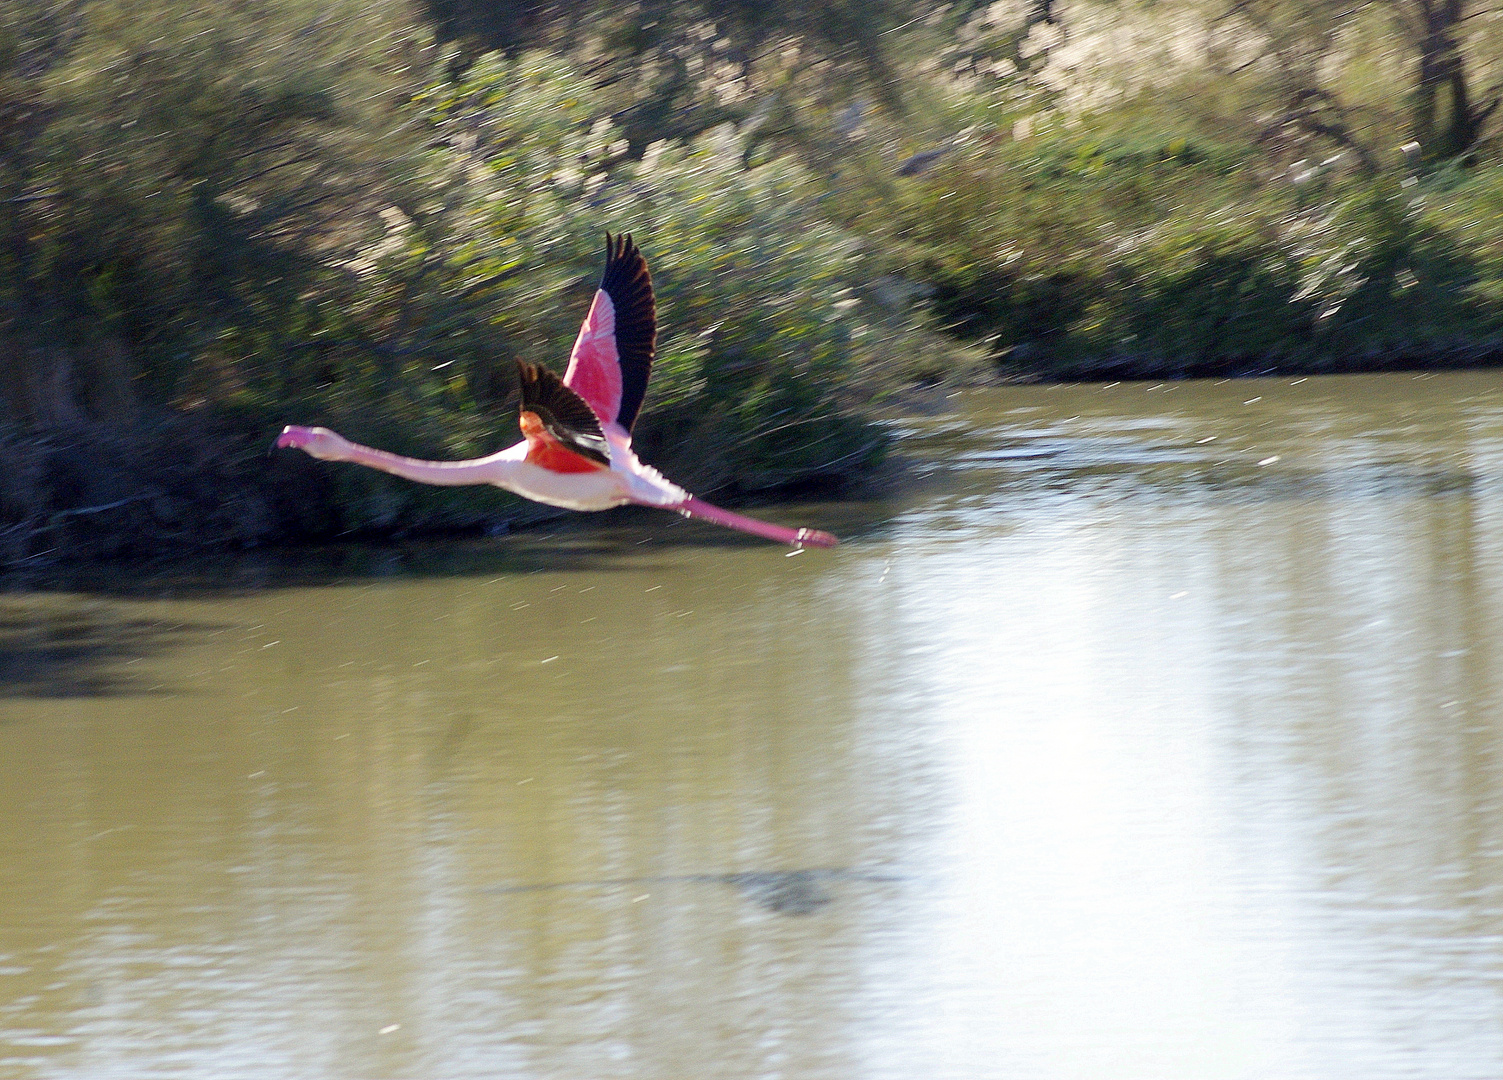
[
  {"x": 565, "y": 415},
  {"x": 612, "y": 357}
]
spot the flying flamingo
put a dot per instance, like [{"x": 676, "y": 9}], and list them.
[{"x": 576, "y": 446}]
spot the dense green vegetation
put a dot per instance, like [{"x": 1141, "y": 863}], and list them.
[{"x": 217, "y": 217}]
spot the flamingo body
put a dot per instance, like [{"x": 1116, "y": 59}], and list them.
[{"x": 576, "y": 449}]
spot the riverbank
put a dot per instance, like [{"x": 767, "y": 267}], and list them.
[
  {"x": 178, "y": 485},
  {"x": 362, "y": 221}
]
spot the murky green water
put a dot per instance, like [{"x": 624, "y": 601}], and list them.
[{"x": 1150, "y": 732}]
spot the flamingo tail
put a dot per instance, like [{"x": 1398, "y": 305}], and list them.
[{"x": 698, "y": 508}]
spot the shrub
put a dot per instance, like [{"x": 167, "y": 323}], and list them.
[
  {"x": 1073, "y": 257},
  {"x": 771, "y": 346}
]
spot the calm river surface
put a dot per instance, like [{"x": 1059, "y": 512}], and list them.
[{"x": 1149, "y": 733}]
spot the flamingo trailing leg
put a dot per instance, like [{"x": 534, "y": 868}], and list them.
[{"x": 576, "y": 446}]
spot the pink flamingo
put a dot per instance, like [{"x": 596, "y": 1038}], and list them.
[{"x": 576, "y": 446}]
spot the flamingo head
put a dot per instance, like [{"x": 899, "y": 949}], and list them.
[{"x": 315, "y": 441}]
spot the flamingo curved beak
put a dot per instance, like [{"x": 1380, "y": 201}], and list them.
[{"x": 288, "y": 437}]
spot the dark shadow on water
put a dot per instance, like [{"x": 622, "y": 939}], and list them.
[
  {"x": 785, "y": 892},
  {"x": 628, "y": 539},
  {"x": 79, "y": 653},
  {"x": 60, "y": 636}
]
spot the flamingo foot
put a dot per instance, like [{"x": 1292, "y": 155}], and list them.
[
  {"x": 815, "y": 538},
  {"x": 698, "y": 508}
]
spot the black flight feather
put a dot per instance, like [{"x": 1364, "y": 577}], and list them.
[
  {"x": 629, "y": 285},
  {"x": 564, "y": 414}
]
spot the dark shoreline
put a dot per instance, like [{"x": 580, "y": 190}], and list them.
[
  {"x": 170, "y": 488},
  {"x": 1455, "y": 356},
  {"x": 183, "y": 486}
]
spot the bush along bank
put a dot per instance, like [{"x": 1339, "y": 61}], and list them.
[
  {"x": 401, "y": 328},
  {"x": 1181, "y": 268}
]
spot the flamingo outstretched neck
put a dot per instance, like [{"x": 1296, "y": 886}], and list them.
[{"x": 576, "y": 449}]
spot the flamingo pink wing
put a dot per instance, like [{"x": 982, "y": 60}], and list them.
[{"x": 613, "y": 354}]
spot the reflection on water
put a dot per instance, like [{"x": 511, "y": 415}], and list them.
[
  {"x": 1151, "y": 732},
  {"x": 68, "y": 649},
  {"x": 796, "y": 892}
]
